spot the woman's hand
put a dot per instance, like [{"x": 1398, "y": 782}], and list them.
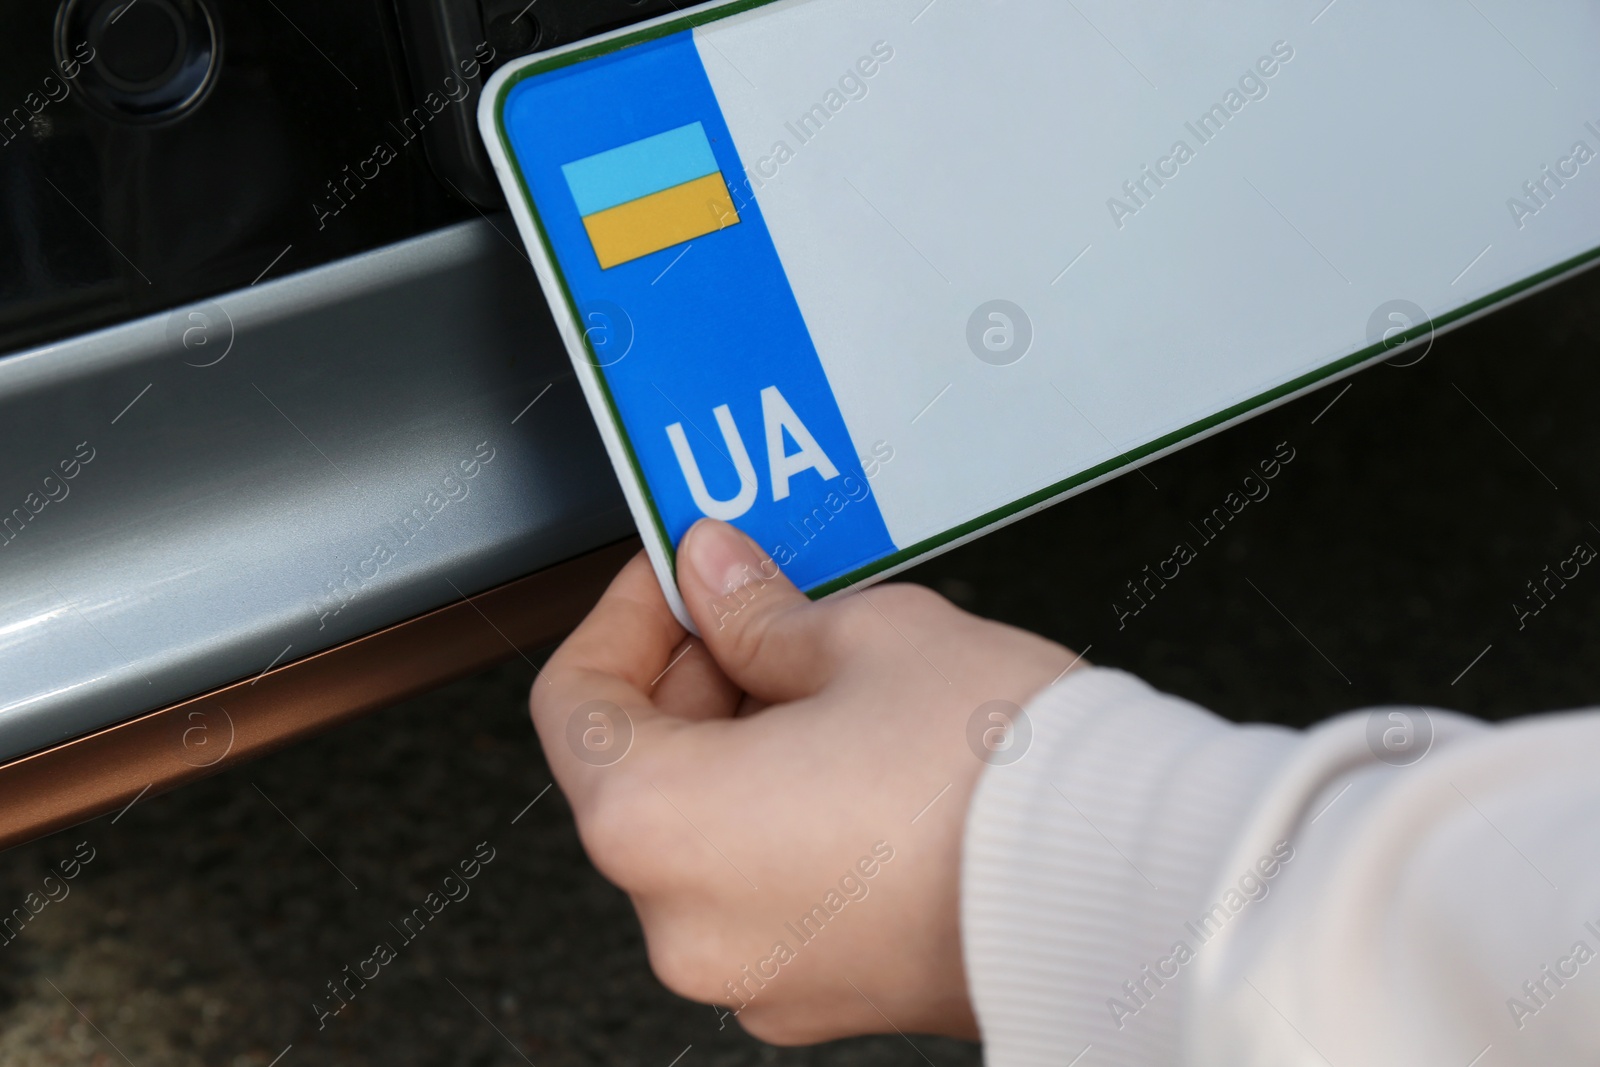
[{"x": 784, "y": 801}]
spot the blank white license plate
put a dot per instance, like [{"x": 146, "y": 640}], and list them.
[{"x": 870, "y": 277}]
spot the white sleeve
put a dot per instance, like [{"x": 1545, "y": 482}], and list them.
[{"x": 1151, "y": 885}]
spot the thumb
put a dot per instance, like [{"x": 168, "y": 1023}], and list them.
[{"x": 765, "y": 634}]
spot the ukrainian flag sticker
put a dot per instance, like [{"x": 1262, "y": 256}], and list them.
[{"x": 650, "y": 194}]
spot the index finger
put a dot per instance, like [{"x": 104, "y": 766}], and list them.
[
  {"x": 611, "y": 657},
  {"x": 630, "y": 634}
]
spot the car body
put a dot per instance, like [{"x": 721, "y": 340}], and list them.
[{"x": 286, "y": 433}]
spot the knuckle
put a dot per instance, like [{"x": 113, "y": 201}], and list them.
[
  {"x": 681, "y": 963},
  {"x": 751, "y": 638},
  {"x": 539, "y": 699},
  {"x": 734, "y": 638},
  {"x": 633, "y": 835},
  {"x": 779, "y": 1026},
  {"x": 910, "y": 601},
  {"x": 615, "y": 827},
  {"x": 755, "y": 641}
]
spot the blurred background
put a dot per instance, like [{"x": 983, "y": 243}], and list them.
[{"x": 1384, "y": 566}]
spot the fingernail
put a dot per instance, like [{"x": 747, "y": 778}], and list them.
[{"x": 722, "y": 557}]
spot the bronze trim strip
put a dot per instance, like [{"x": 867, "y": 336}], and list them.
[{"x": 160, "y": 750}]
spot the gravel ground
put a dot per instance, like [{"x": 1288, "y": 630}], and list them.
[{"x": 1384, "y": 562}]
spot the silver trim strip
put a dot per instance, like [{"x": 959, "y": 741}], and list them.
[{"x": 304, "y": 489}]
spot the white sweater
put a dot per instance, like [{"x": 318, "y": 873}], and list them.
[{"x": 1151, "y": 885}]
